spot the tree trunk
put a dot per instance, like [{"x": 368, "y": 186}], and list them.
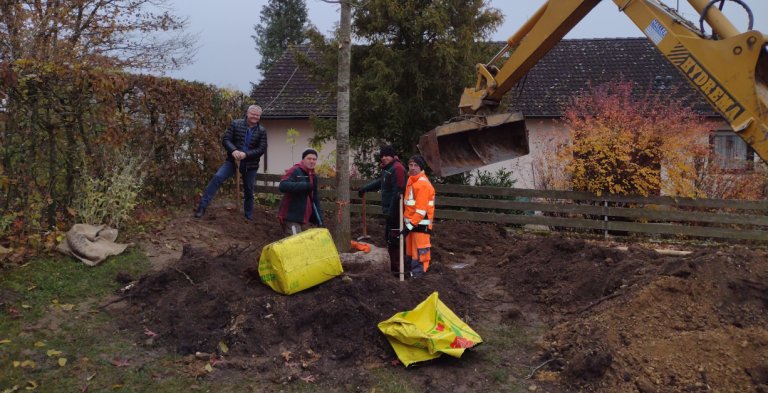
[
  {"x": 342, "y": 235},
  {"x": 7, "y": 140},
  {"x": 50, "y": 209}
]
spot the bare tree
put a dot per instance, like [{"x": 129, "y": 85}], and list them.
[{"x": 121, "y": 34}]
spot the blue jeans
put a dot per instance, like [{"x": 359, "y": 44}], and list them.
[{"x": 226, "y": 171}]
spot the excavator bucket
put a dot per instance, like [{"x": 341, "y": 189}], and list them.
[{"x": 464, "y": 145}]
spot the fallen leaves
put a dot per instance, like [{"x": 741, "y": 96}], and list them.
[
  {"x": 308, "y": 378},
  {"x": 14, "y": 388},
  {"x": 54, "y": 353},
  {"x": 120, "y": 362},
  {"x": 24, "y": 364},
  {"x": 63, "y": 306},
  {"x": 196, "y": 367},
  {"x": 13, "y": 312},
  {"x": 149, "y": 333},
  {"x": 310, "y": 357},
  {"x": 31, "y": 364}
]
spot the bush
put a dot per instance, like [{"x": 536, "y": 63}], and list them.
[
  {"x": 111, "y": 200},
  {"x": 502, "y": 178}
]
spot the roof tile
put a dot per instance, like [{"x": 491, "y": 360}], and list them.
[
  {"x": 572, "y": 65},
  {"x": 288, "y": 91}
]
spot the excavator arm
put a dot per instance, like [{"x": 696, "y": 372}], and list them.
[{"x": 730, "y": 71}]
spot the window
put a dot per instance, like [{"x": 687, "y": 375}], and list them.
[{"x": 730, "y": 152}]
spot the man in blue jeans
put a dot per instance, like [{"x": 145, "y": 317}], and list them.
[{"x": 245, "y": 142}]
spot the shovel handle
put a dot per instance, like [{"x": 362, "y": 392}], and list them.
[
  {"x": 237, "y": 184},
  {"x": 402, "y": 242},
  {"x": 365, "y": 221}
]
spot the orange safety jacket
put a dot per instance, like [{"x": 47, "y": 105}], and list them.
[{"x": 419, "y": 209}]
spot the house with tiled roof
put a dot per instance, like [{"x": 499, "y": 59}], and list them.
[
  {"x": 572, "y": 66},
  {"x": 568, "y": 69},
  {"x": 289, "y": 98}
]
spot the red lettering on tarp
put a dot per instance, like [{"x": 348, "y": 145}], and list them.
[{"x": 461, "y": 342}]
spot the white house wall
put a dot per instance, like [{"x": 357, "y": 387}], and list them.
[
  {"x": 281, "y": 155},
  {"x": 544, "y": 135},
  {"x": 544, "y": 138}
]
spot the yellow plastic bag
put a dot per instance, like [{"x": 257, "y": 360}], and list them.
[
  {"x": 428, "y": 331},
  {"x": 300, "y": 261}
]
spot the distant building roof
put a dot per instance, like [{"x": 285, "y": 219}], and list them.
[
  {"x": 572, "y": 65},
  {"x": 287, "y": 91}
]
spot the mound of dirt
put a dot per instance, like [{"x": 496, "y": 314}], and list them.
[
  {"x": 614, "y": 318},
  {"x": 698, "y": 324},
  {"x": 203, "y": 300}
]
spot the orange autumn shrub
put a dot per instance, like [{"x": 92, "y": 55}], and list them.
[{"x": 625, "y": 143}]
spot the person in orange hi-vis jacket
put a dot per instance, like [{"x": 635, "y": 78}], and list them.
[{"x": 418, "y": 213}]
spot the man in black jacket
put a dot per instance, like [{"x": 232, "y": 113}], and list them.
[
  {"x": 301, "y": 202},
  {"x": 391, "y": 182},
  {"x": 245, "y": 142}
]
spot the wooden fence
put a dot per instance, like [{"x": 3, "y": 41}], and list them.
[{"x": 577, "y": 211}]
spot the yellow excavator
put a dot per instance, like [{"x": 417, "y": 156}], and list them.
[{"x": 729, "y": 68}]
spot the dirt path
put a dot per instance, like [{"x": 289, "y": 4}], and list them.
[{"x": 602, "y": 318}]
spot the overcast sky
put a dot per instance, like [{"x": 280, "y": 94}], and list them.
[{"x": 227, "y": 56}]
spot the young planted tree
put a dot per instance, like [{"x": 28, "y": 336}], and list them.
[
  {"x": 625, "y": 143},
  {"x": 283, "y": 23}
]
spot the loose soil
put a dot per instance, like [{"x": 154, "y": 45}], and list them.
[{"x": 602, "y": 316}]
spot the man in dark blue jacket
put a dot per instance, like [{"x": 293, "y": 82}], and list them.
[
  {"x": 245, "y": 142},
  {"x": 301, "y": 202}
]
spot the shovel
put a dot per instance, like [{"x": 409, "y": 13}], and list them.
[
  {"x": 365, "y": 225},
  {"x": 237, "y": 185},
  {"x": 402, "y": 243}
]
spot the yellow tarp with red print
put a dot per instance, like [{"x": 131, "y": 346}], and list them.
[{"x": 428, "y": 331}]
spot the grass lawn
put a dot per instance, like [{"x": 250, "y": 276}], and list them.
[{"x": 55, "y": 338}]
